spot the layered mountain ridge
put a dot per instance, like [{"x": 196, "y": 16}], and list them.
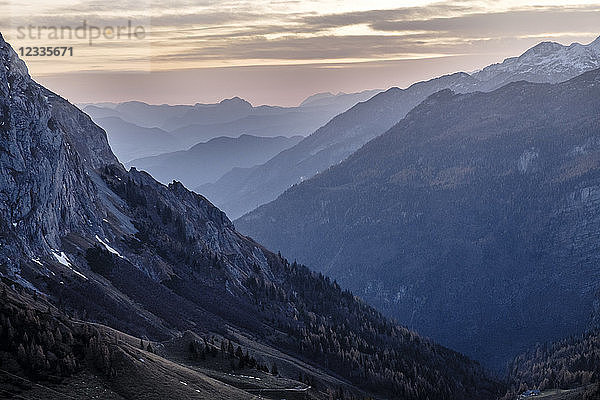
[
  {"x": 208, "y": 161},
  {"x": 242, "y": 190},
  {"x": 136, "y": 129}
]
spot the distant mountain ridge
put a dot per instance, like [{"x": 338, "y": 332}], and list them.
[
  {"x": 131, "y": 141},
  {"x": 324, "y": 99},
  {"x": 170, "y": 128},
  {"x": 243, "y": 190},
  {"x": 207, "y": 162},
  {"x": 226, "y": 110}
]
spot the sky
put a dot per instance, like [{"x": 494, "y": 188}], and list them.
[{"x": 275, "y": 51}]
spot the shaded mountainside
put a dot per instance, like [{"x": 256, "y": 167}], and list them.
[
  {"x": 474, "y": 220},
  {"x": 242, "y": 190},
  {"x": 206, "y": 162},
  {"x": 118, "y": 248}
]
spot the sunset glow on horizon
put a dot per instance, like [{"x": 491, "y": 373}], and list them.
[{"x": 290, "y": 49}]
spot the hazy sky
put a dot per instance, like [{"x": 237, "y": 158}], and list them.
[{"x": 278, "y": 51}]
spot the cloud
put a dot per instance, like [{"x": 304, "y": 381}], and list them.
[
  {"x": 439, "y": 28},
  {"x": 314, "y": 48},
  {"x": 187, "y": 34},
  {"x": 509, "y": 23},
  {"x": 374, "y": 16}
]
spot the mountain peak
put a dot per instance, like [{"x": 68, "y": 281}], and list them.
[
  {"x": 596, "y": 43},
  {"x": 236, "y": 101},
  {"x": 13, "y": 64},
  {"x": 316, "y": 97},
  {"x": 543, "y": 48},
  {"x": 545, "y": 62}
]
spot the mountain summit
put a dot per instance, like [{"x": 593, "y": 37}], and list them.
[{"x": 236, "y": 102}]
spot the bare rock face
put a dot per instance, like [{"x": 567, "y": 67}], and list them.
[
  {"x": 53, "y": 184},
  {"x": 45, "y": 189}
]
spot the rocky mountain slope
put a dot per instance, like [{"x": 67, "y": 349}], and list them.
[
  {"x": 473, "y": 220},
  {"x": 207, "y": 162},
  {"x": 115, "y": 247},
  {"x": 243, "y": 190}
]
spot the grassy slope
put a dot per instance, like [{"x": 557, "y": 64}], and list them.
[{"x": 166, "y": 373}]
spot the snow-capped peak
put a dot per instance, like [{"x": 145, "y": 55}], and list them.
[
  {"x": 542, "y": 49},
  {"x": 546, "y": 61}
]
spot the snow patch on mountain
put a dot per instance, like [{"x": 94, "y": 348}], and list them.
[
  {"x": 64, "y": 260},
  {"x": 107, "y": 247}
]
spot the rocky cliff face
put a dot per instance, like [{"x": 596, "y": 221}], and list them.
[
  {"x": 474, "y": 220},
  {"x": 53, "y": 157},
  {"x": 47, "y": 152}
]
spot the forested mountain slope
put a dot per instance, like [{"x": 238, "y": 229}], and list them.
[
  {"x": 474, "y": 220},
  {"x": 566, "y": 364}
]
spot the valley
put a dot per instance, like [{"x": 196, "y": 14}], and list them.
[{"x": 433, "y": 242}]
